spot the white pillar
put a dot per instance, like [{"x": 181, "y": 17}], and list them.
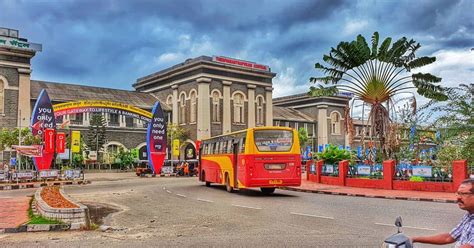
[
  {"x": 175, "y": 104},
  {"x": 226, "y": 110},
  {"x": 268, "y": 106},
  {"x": 322, "y": 124},
  {"x": 24, "y": 104},
  {"x": 251, "y": 105},
  {"x": 204, "y": 111}
]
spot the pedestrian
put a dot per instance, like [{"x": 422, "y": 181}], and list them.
[
  {"x": 463, "y": 233},
  {"x": 186, "y": 169}
]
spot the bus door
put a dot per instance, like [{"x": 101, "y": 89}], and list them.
[
  {"x": 235, "y": 152},
  {"x": 200, "y": 162}
]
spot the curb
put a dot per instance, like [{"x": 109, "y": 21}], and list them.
[
  {"x": 38, "y": 184},
  {"x": 369, "y": 196},
  {"x": 38, "y": 228}
]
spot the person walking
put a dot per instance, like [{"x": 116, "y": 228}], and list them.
[
  {"x": 463, "y": 233},
  {"x": 186, "y": 169}
]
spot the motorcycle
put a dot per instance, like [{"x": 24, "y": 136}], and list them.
[{"x": 398, "y": 240}]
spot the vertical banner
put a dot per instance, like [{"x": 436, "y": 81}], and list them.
[
  {"x": 75, "y": 141},
  {"x": 156, "y": 139},
  {"x": 198, "y": 147},
  {"x": 320, "y": 148},
  {"x": 176, "y": 147},
  {"x": 49, "y": 139},
  {"x": 42, "y": 118},
  {"x": 60, "y": 142}
]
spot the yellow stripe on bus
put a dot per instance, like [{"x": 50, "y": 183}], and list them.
[{"x": 225, "y": 165}]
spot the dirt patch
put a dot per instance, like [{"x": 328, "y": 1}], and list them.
[
  {"x": 98, "y": 212},
  {"x": 54, "y": 199}
]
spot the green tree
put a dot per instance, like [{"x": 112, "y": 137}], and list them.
[
  {"x": 303, "y": 136},
  {"x": 96, "y": 136},
  {"x": 457, "y": 119},
  {"x": 124, "y": 158},
  {"x": 375, "y": 74},
  {"x": 175, "y": 131},
  {"x": 9, "y": 137}
]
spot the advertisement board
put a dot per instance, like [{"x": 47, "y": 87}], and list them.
[
  {"x": 422, "y": 171},
  {"x": 156, "y": 139},
  {"x": 363, "y": 170},
  {"x": 76, "y": 141}
]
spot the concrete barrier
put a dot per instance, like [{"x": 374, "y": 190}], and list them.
[{"x": 77, "y": 217}]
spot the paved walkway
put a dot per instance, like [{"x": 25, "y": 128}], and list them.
[
  {"x": 308, "y": 186},
  {"x": 13, "y": 211}
]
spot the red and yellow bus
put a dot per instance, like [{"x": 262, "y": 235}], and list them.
[{"x": 264, "y": 157}]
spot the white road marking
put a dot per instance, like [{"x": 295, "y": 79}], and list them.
[
  {"x": 240, "y": 206},
  {"x": 181, "y": 195},
  {"x": 413, "y": 227},
  {"x": 204, "y": 200},
  {"x": 311, "y": 215},
  {"x": 167, "y": 191}
]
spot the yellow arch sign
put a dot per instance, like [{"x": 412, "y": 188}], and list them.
[{"x": 99, "y": 106}]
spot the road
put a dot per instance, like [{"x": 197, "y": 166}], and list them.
[{"x": 170, "y": 212}]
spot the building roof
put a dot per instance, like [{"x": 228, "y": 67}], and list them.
[
  {"x": 61, "y": 92},
  {"x": 282, "y": 113}
]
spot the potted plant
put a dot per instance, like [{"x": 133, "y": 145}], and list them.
[{"x": 332, "y": 155}]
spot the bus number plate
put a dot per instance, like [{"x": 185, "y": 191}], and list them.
[
  {"x": 275, "y": 181},
  {"x": 274, "y": 166}
]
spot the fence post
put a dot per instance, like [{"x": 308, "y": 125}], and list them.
[
  {"x": 343, "y": 169},
  {"x": 459, "y": 173},
  {"x": 308, "y": 165},
  {"x": 319, "y": 170},
  {"x": 388, "y": 171}
]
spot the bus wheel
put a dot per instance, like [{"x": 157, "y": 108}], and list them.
[
  {"x": 227, "y": 184},
  {"x": 267, "y": 191},
  {"x": 203, "y": 178}
]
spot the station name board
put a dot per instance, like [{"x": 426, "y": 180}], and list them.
[
  {"x": 246, "y": 64},
  {"x": 16, "y": 43}
]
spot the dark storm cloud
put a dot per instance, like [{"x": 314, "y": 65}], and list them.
[{"x": 113, "y": 42}]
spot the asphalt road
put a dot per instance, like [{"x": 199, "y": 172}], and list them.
[{"x": 170, "y": 212}]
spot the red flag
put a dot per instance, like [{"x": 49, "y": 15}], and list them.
[
  {"x": 60, "y": 142},
  {"x": 49, "y": 139}
]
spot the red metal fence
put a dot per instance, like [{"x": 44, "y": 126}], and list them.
[{"x": 314, "y": 173}]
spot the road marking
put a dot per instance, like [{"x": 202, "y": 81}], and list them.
[
  {"x": 315, "y": 216},
  {"x": 412, "y": 227},
  {"x": 240, "y": 206},
  {"x": 167, "y": 191},
  {"x": 181, "y": 195},
  {"x": 204, "y": 200}
]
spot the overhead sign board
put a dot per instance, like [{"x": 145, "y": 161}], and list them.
[{"x": 242, "y": 63}]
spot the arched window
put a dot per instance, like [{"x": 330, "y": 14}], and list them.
[
  {"x": 193, "y": 107},
  {"x": 169, "y": 100},
  {"x": 182, "y": 109},
  {"x": 215, "y": 106},
  {"x": 238, "y": 108},
  {"x": 335, "y": 123},
  {"x": 259, "y": 110},
  {"x": 2, "y": 96}
]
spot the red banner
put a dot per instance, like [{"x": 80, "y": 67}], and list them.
[
  {"x": 49, "y": 139},
  {"x": 60, "y": 142}
]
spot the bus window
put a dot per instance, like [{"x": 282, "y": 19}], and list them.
[
  {"x": 273, "y": 140},
  {"x": 216, "y": 147},
  {"x": 242, "y": 145}
]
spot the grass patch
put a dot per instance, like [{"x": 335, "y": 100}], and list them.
[{"x": 38, "y": 219}]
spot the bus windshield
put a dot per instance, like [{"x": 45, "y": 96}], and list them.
[{"x": 273, "y": 140}]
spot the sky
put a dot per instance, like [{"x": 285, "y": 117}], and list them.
[{"x": 111, "y": 43}]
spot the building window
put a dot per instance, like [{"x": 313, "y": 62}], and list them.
[
  {"x": 129, "y": 121},
  {"x": 113, "y": 120},
  {"x": 335, "y": 123},
  {"x": 276, "y": 123},
  {"x": 76, "y": 119},
  {"x": 259, "y": 111},
  {"x": 2, "y": 96},
  {"x": 238, "y": 108},
  {"x": 193, "y": 107},
  {"x": 182, "y": 109},
  {"x": 215, "y": 107}
]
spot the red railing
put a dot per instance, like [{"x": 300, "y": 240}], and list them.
[{"x": 314, "y": 174}]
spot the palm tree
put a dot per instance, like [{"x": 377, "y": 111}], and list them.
[{"x": 375, "y": 75}]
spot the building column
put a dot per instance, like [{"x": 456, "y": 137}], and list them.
[
  {"x": 24, "y": 104},
  {"x": 251, "y": 105},
  {"x": 226, "y": 110},
  {"x": 268, "y": 106},
  {"x": 322, "y": 125},
  {"x": 204, "y": 116},
  {"x": 175, "y": 104}
]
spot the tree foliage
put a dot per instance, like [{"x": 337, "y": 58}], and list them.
[
  {"x": 332, "y": 154},
  {"x": 96, "y": 136},
  {"x": 303, "y": 136},
  {"x": 10, "y": 137}
]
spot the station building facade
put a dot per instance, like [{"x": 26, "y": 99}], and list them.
[{"x": 207, "y": 96}]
